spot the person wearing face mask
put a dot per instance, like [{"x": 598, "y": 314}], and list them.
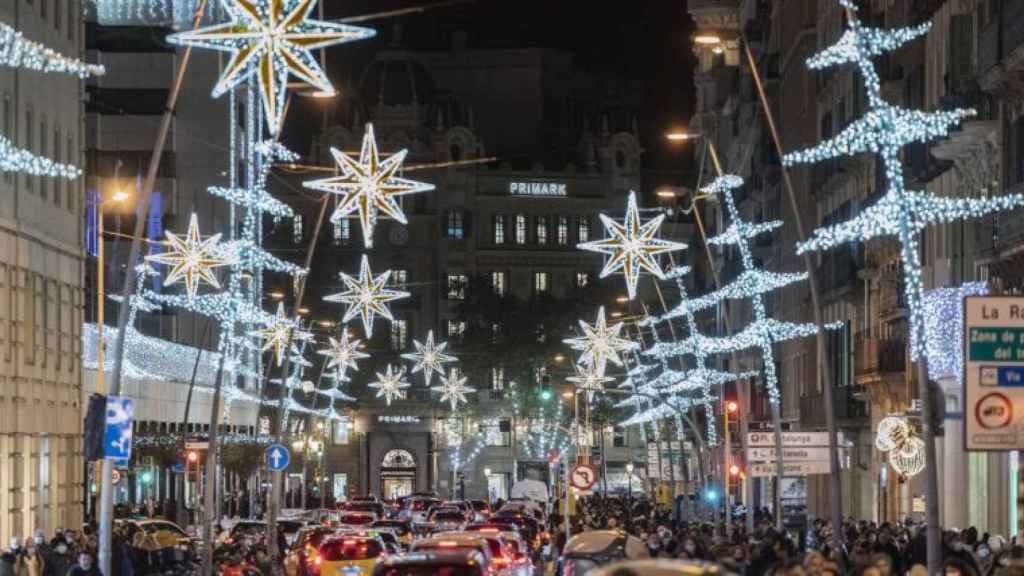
[
  {"x": 34, "y": 563},
  {"x": 85, "y": 566},
  {"x": 59, "y": 562}
]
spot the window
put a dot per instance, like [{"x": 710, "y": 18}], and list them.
[
  {"x": 58, "y": 183},
  {"x": 297, "y": 228},
  {"x": 43, "y": 11},
  {"x": 399, "y": 277},
  {"x": 44, "y": 183},
  {"x": 563, "y": 230},
  {"x": 456, "y": 328},
  {"x": 583, "y": 229},
  {"x": 399, "y": 334},
  {"x": 495, "y": 332},
  {"x": 56, "y": 14},
  {"x": 71, "y": 158},
  {"x": 7, "y": 128},
  {"x": 457, "y": 286},
  {"x": 341, "y": 430},
  {"x": 582, "y": 279},
  {"x": 499, "y": 228},
  {"x": 540, "y": 282},
  {"x": 498, "y": 283},
  {"x": 498, "y": 378},
  {"x": 618, "y": 437},
  {"x": 520, "y": 229},
  {"x": 542, "y": 229},
  {"x": 29, "y": 145},
  {"x": 497, "y": 432},
  {"x": 456, "y": 228},
  {"x": 72, "y": 11},
  {"x": 342, "y": 230}
]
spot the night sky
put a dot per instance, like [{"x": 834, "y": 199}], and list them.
[{"x": 644, "y": 45}]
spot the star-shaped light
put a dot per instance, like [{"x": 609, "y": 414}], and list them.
[
  {"x": 453, "y": 389},
  {"x": 366, "y": 295},
  {"x": 279, "y": 331},
  {"x": 192, "y": 258},
  {"x": 368, "y": 186},
  {"x": 269, "y": 39},
  {"x": 390, "y": 385},
  {"x": 589, "y": 380},
  {"x": 342, "y": 354},
  {"x": 429, "y": 357},
  {"x": 601, "y": 343},
  {"x": 632, "y": 246}
]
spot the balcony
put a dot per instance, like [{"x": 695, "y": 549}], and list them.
[
  {"x": 838, "y": 273},
  {"x": 974, "y": 132},
  {"x": 874, "y": 357},
  {"x": 850, "y": 410}
]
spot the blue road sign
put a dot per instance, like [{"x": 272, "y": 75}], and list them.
[
  {"x": 117, "y": 435},
  {"x": 277, "y": 457}
]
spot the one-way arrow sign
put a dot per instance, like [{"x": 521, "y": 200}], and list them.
[{"x": 277, "y": 457}]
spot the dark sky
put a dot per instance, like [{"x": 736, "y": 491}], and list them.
[{"x": 644, "y": 44}]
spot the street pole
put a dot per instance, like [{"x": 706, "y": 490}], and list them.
[
  {"x": 748, "y": 483},
  {"x": 727, "y": 463}
]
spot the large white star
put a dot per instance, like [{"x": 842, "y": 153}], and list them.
[
  {"x": 589, "y": 380},
  {"x": 632, "y": 246},
  {"x": 601, "y": 343},
  {"x": 390, "y": 385},
  {"x": 278, "y": 333},
  {"x": 453, "y": 389},
  {"x": 192, "y": 258},
  {"x": 269, "y": 39},
  {"x": 429, "y": 357},
  {"x": 366, "y": 295},
  {"x": 368, "y": 186},
  {"x": 342, "y": 354}
]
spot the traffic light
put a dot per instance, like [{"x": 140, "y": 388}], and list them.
[
  {"x": 711, "y": 495},
  {"x": 193, "y": 456},
  {"x": 732, "y": 407},
  {"x": 546, "y": 394},
  {"x": 734, "y": 471},
  {"x": 146, "y": 477}
]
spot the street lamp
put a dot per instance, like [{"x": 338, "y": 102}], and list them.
[
  {"x": 118, "y": 197},
  {"x": 629, "y": 476}
]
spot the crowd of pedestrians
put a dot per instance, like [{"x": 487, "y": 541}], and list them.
[{"x": 66, "y": 553}]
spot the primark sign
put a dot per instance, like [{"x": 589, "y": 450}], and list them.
[{"x": 556, "y": 189}]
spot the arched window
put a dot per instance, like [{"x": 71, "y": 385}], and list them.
[{"x": 398, "y": 459}]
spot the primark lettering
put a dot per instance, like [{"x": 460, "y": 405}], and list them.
[{"x": 537, "y": 189}]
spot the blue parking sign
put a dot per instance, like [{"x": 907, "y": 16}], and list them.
[{"x": 117, "y": 435}]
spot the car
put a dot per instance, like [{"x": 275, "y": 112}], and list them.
[
  {"x": 252, "y": 531},
  {"x": 376, "y": 507},
  {"x": 455, "y": 541},
  {"x": 439, "y": 562},
  {"x": 356, "y": 519},
  {"x": 527, "y": 525},
  {"x": 586, "y": 552},
  {"x": 349, "y": 554},
  {"x": 446, "y": 519},
  {"x": 504, "y": 558},
  {"x": 417, "y": 508},
  {"x": 302, "y": 555},
  {"x": 660, "y": 567},
  {"x": 324, "y": 516},
  {"x": 390, "y": 540},
  {"x": 510, "y": 533},
  {"x": 481, "y": 510},
  {"x": 162, "y": 535},
  {"x": 462, "y": 505},
  {"x": 401, "y": 528}
]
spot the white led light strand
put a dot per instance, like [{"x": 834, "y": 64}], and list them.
[
  {"x": 18, "y": 52},
  {"x": 429, "y": 358},
  {"x": 390, "y": 385},
  {"x": 14, "y": 159},
  {"x": 367, "y": 296},
  {"x": 601, "y": 343}
]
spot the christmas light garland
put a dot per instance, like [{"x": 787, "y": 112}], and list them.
[
  {"x": 16, "y": 51},
  {"x": 429, "y": 358},
  {"x": 367, "y": 296},
  {"x": 601, "y": 343}
]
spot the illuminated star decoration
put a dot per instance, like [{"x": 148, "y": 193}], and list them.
[
  {"x": 588, "y": 379},
  {"x": 342, "y": 354},
  {"x": 192, "y": 259},
  {"x": 429, "y": 357},
  {"x": 277, "y": 334},
  {"x": 269, "y": 39},
  {"x": 632, "y": 246},
  {"x": 390, "y": 385},
  {"x": 368, "y": 186},
  {"x": 453, "y": 389},
  {"x": 366, "y": 295},
  {"x": 601, "y": 343}
]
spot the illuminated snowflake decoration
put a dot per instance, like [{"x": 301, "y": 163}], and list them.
[
  {"x": 453, "y": 389},
  {"x": 632, "y": 246},
  {"x": 885, "y": 130},
  {"x": 601, "y": 343},
  {"x": 342, "y": 354},
  {"x": 268, "y": 40},
  {"x": 192, "y": 259},
  {"x": 368, "y": 186},
  {"x": 429, "y": 357},
  {"x": 390, "y": 385},
  {"x": 589, "y": 380},
  {"x": 367, "y": 295},
  {"x": 280, "y": 331}
]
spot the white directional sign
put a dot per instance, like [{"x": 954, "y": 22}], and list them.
[
  {"x": 277, "y": 457},
  {"x": 993, "y": 373},
  {"x": 789, "y": 439},
  {"x": 767, "y": 470},
  {"x": 788, "y": 454}
]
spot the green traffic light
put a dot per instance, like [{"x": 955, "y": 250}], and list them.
[
  {"x": 146, "y": 477},
  {"x": 545, "y": 395}
]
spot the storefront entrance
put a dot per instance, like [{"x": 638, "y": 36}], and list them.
[{"x": 397, "y": 474}]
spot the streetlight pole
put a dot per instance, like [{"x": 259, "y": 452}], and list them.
[{"x": 629, "y": 477}]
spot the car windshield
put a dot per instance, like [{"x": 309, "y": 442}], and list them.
[
  {"x": 350, "y": 549},
  {"x": 420, "y": 505},
  {"x": 400, "y": 528},
  {"x": 363, "y": 506},
  {"x": 447, "y": 517}
]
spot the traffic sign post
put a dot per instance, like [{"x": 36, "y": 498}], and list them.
[
  {"x": 583, "y": 476},
  {"x": 277, "y": 457},
  {"x": 993, "y": 373}
]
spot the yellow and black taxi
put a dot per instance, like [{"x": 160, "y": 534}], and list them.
[
  {"x": 453, "y": 562},
  {"x": 349, "y": 555},
  {"x": 301, "y": 557}
]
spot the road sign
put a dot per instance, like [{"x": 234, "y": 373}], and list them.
[
  {"x": 812, "y": 454},
  {"x": 197, "y": 445},
  {"x": 767, "y": 470},
  {"x": 583, "y": 476},
  {"x": 277, "y": 457},
  {"x": 993, "y": 373},
  {"x": 117, "y": 433},
  {"x": 789, "y": 439}
]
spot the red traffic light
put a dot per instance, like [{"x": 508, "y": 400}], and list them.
[
  {"x": 734, "y": 470},
  {"x": 193, "y": 456},
  {"x": 732, "y": 406}
]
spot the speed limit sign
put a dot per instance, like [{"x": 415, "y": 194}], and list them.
[{"x": 583, "y": 476}]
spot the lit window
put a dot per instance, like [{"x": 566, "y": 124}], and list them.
[
  {"x": 399, "y": 334},
  {"x": 456, "y": 328},
  {"x": 582, "y": 279},
  {"x": 342, "y": 231},
  {"x": 58, "y": 184},
  {"x": 497, "y": 432},
  {"x": 499, "y": 228},
  {"x": 498, "y": 283},
  {"x": 456, "y": 226},
  {"x": 399, "y": 277},
  {"x": 30, "y": 182},
  {"x": 542, "y": 229},
  {"x": 498, "y": 377},
  {"x": 297, "y": 228},
  {"x": 583, "y": 229},
  {"x": 563, "y": 230},
  {"x": 520, "y": 229},
  {"x": 540, "y": 282},
  {"x": 495, "y": 332},
  {"x": 457, "y": 286},
  {"x": 45, "y": 184},
  {"x": 341, "y": 430}
]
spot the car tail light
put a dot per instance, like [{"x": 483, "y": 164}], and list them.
[{"x": 447, "y": 544}]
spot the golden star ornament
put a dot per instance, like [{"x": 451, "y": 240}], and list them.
[
  {"x": 268, "y": 40},
  {"x": 368, "y": 186},
  {"x": 343, "y": 353},
  {"x": 390, "y": 385},
  {"x": 367, "y": 295},
  {"x": 278, "y": 332},
  {"x": 429, "y": 357},
  {"x": 632, "y": 246},
  {"x": 193, "y": 259},
  {"x": 453, "y": 389},
  {"x": 601, "y": 343},
  {"x": 589, "y": 380}
]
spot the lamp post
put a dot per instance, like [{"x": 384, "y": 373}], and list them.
[
  {"x": 731, "y": 407},
  {"x": 118, "y": 197},
  {"x": 629, "y": 478},
  {"x": 487, "y": 482}
]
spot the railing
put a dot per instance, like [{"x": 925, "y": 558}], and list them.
[{"x": 879, "y": 355}]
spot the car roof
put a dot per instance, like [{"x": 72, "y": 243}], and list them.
[
  {"x": 600, "y": 542},
  {"x": 459, "y": 556},
  {"x": 660, "y": 567},
  {"x": 447, "y": 536}
]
